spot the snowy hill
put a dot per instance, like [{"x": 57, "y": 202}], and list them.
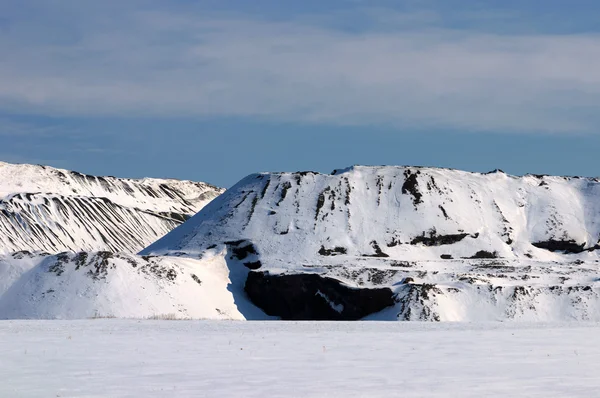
[
  {"x": 410, "y": 213},
  {"x": 386, "y": 243},
  {"x": 425, "y": 243},
  {"x": 102, "y": 284},
  {"x": 53, "y": 210}
]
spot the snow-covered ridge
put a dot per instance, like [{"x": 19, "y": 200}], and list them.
[
  {"x": 405, "y": 212},
  {"x": 446, "y": 244},
  {"x": 53, "y": 210}
]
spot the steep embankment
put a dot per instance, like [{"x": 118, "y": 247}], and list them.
[{"x": 53, "y": 210}]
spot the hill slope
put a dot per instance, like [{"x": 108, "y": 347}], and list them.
[
  {"x": 102, "y": 284},
  {"x": 54, "y": 210},
  {"x": 443, "y": 244},
  {"x": 413, "y": 213}
]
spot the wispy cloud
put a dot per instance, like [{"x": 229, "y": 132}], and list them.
[{"x": 125, "y": 60}]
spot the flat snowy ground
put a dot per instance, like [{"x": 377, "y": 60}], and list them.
[{"x": 128, "y": 358}]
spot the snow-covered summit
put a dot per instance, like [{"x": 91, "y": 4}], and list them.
[
  {"x": 403, "y": 212},
  {"x": 48, "y": 209}
]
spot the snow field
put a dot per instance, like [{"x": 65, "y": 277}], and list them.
[{"x": 121, "y": 358}]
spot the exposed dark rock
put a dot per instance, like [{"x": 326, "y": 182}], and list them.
[
  {"x": 100, "y": 265},
  {"x": 80, "y": 259},
  {"x": 320, "y": 202},
  {"x": 396, "y": 263},
  {"x": 179, "y": 217},
  {"x": 393, "y": 242},
  {"x": 568, "y": 246},
  {"x": 253, "y": 265},
  {"x": 312, "y": 297},
  {"x": 411, "y": 187},
  {"x": 437, "y": 240},
  {"x": 22, "y": 254},
  {"x": 305, "y": 173},
  {"x": 446, "y": 256},
  {"x": 284, "y": 190},
  {"x": 444, "y": 212},
  {"x": 332, "y": 252},
  {"x": 241, "y": 248},
  {"x": 235, "y": 242},
  {"x": 484, "y": 254},
  {"x": 252, "y": 209},
  {"x": 58, "y": 267},
  {"x": 378, "y": 251},
  {"x": 196, "y": 279},
  {"x": 417, "y": 302},
  {"x": 243, "y": 252}
]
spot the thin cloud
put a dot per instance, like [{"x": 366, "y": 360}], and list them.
[{"x": 179, "y": 64}]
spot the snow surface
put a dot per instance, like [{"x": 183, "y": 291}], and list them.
[
  {"x": 124, "y": 358},
  {"x": 54, "y": 210}
]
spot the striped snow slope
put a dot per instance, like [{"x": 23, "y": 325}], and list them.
[{"x": 54, "y": 210}]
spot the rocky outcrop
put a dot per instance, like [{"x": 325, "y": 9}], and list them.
[{"x": 313, "y": 297}]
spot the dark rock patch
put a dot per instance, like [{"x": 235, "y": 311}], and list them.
[
  {"x": 378, "y": 251},
  {"x": 417, "y": 303},
  {"x": 484, "y": 254},
  {"x": 243, "y": 251},
  {"x": 396, "y": 263},
  {"x": 394, "y": 242},
  {"x": 58, "y": 267},
  {"x": 437, "y": 240},
  {"x": 179, "y": 217},
  {"x": 411, "y": 187},
  {"x": 444, "y": 212},
  {"x": 567, "y": 246},
  {"x": 235, "y": 242},
  {"x": 446, "y": 256},
  {"x": 332, "y": 252},
  {"x": 253, "y": 265},
  {"x": 312, "y": 297},
  {"x": 284, "y": 190}
]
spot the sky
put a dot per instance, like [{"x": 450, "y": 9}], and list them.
[{"x": 213, "y": 90}]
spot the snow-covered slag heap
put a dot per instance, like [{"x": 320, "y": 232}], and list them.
[
  {"x": 405, "y": 243},
  {"x": 55, "y": 210}
]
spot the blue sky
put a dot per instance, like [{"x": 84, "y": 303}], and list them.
[{"x": 215, "y": 90}]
